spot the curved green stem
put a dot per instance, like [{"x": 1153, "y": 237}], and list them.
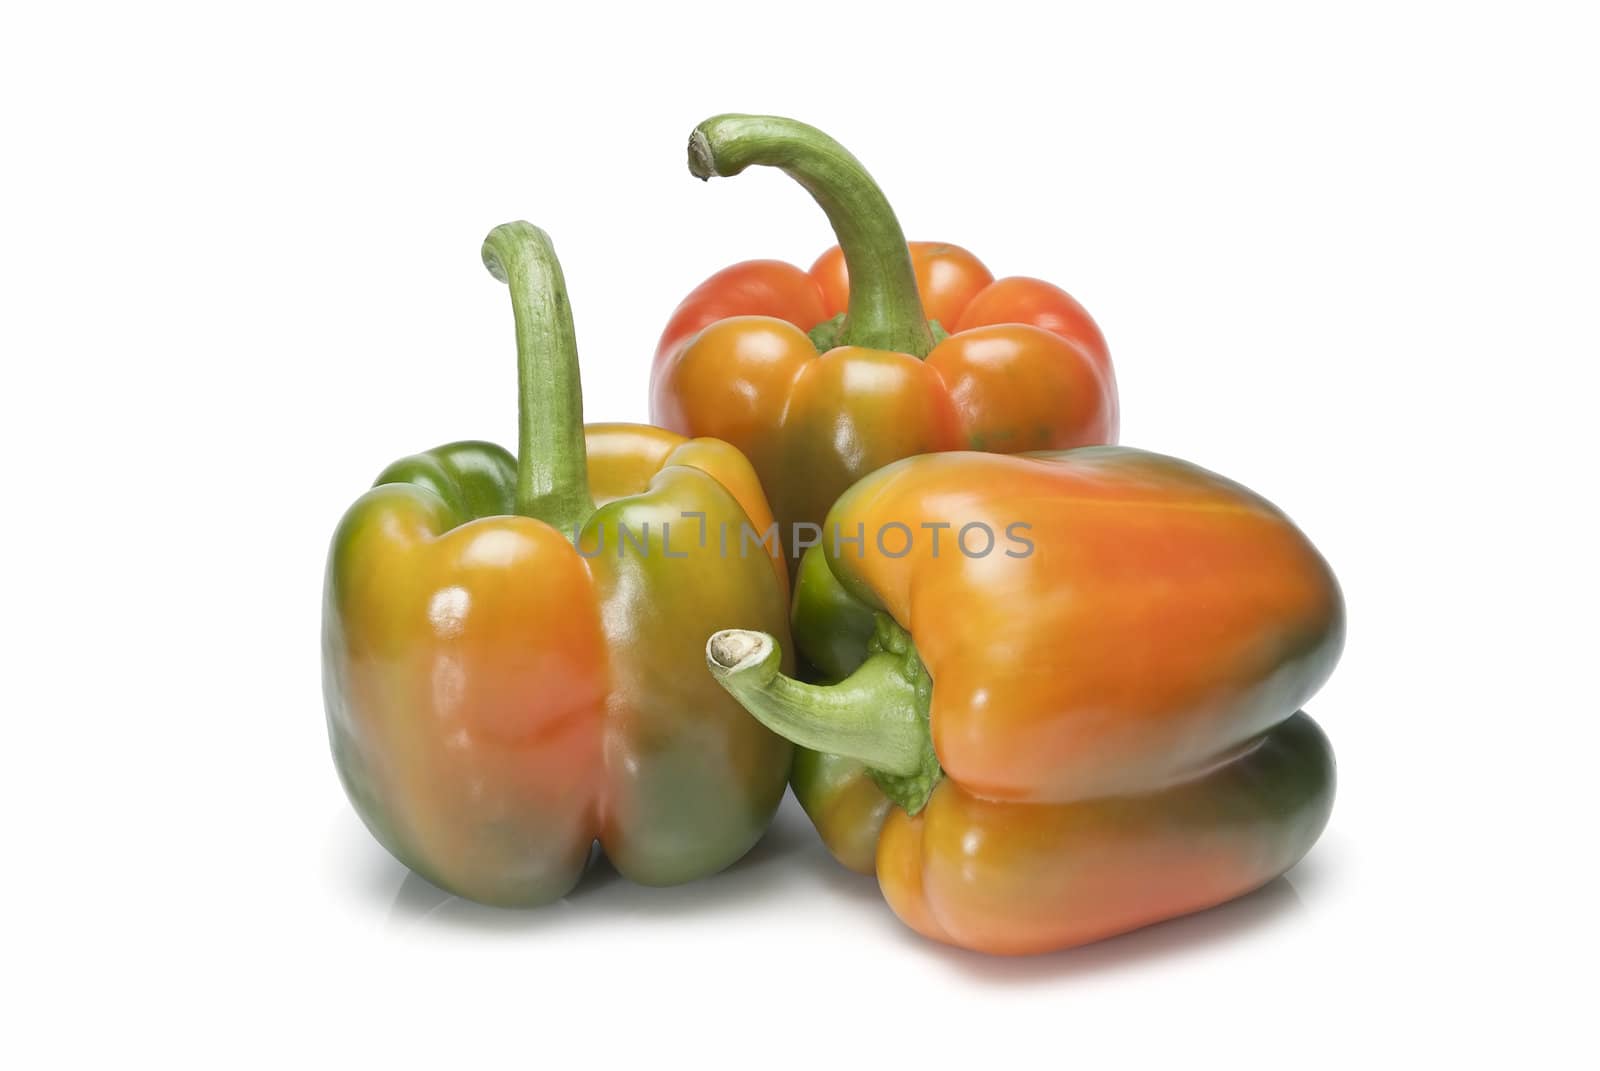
[
  {"x": 878, "y": 715},
  {"x": 552, "y": 463},
  {"x": 885, "y": 310}
]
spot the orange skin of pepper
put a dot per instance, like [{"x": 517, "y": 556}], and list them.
[
  {"x": 1025, "y": 368},
  {"x": 1106, "y": 710},
  {"x": 498, "y": 702},
  {"x": 1020, "y": 879}
]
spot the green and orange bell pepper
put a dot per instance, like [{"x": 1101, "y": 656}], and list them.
[
  {"x": 1067, "y": 691},
  {"x": 504, "y": 639},
  {"x": 881, "y": 351}
]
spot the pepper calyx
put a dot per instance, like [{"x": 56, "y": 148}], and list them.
[
  {"x": 877, "y": 715},
  {"x": 826, "y": 335}
]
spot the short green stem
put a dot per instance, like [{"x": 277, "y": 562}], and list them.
[
  {"x": 885, "y": 310},
  {"x": 552, "y": 462},
  {"x": 878, "y": 715}
]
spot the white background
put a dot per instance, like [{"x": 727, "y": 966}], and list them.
[{"x": 1346, "y": 255}]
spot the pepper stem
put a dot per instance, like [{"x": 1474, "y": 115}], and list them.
[
  {"x": 878, "y": 715},
  {"x": 885, "y": 309},
  {"x": 552, "y": 462}
]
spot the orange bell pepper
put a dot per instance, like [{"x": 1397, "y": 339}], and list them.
[
  {"x": 1068, "y": 691},
  {"x": 504, "y": 638},
  {"x": 881, "y": 351}
]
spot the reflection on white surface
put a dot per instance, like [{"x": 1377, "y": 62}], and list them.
[
  {"x": 787, "y": 876},
  {"x": 789, "y": 857}
]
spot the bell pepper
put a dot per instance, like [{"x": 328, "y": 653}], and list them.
[
  {"x": 879, "y": 352},
  {"x": 1066, "y": 695},
  {"x": 503, "y": 639}
]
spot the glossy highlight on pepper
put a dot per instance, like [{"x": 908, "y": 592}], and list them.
[
  {"x": 1037, "y": 750},
  {"x": 502, "y": 669},
  {"x": 882, "y": 350}
]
